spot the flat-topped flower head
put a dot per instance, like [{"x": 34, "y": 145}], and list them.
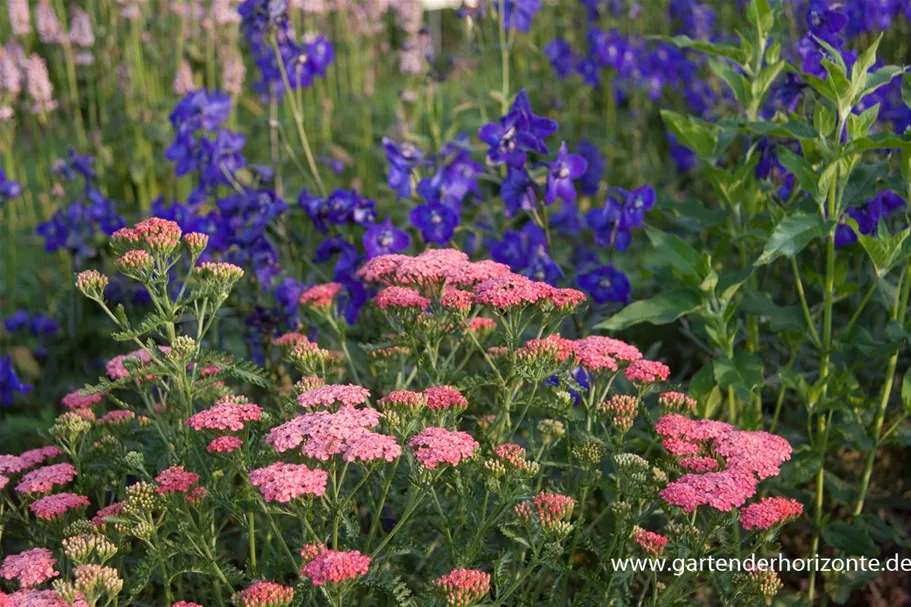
[
  {"x": 456, "y": 299},
  {"x": 224, "y": 444},
  {"x": 116, "y": 369},
  {"x": 445, "y": 397},
  {"x": 264, "y": 594},
  {"x": 117, "y": 417},
  {"x": 160, "y": 236},
  {"x": 597, "y": 353},
  {"x": 326, "y": 396},
  {"x": 403, "y": 400},
  {"x": 429, "y": 269},
  {"x": 29, "y": 568},
  {"x": 101, "y": 517},
  {"x": 11, "y": 464},
  {"x": 92, "y": 284},
  {"x": 320, "y": 297},
  {"x": 463, "y": 587},
  {"x": 75, "y": 400},
  {"x": 696, "y": 464},
  {"x": 369, "y": 447},
  {"x": 768, "y": 512},
  {"x": 651, "y": 542},
  {"x": 44, "y": 479},
  {"x": 647, "y": 372},
  {"x": 52, "y": 506},
  {"x": 283, "y": 482},
  {"x": 567, "y": 300},
  {"x": 723, "y": 491},
  {"x": 401, "y": 298},
  {"x": 136, "y": 263},
  {"x": 759, "y": 452},
  {"x": 220, "y": 273},
  {"x": 196, "y": 242},
  {"x": 554, "y": 510},
  {"x": 511, "y": 291},
  {"x": 290, "y": 340},
  {"x": 335, "y": 567},
  {"x": 473, "y": 272},
  {"x": 482, "y": 325},
  {"x": 434, "y": 446},
  {"x": 553, "y": 349},
  {"x": 45, "y": 598},
  {"x": 33, "y": 457},
  {"x": 176, "y": 480},
  {"x": 511, "y": 458},
  {"x": 382, "y": 269},
  {"x": 228, "y": 413},
  {"x": 97, "y": 580},
  {"x": 4, "y": 481}
]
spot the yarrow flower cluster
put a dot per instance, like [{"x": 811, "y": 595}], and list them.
[
  {"x": 327, "y": 396},
  {"x": 768, "y": 512},
  {"x": 29, "y": 568},
  {"x": 176, "y": 480},
  {"x": 44, "y": 479},
  {"x": 283, "y": 482},
  {"x": 653, "y": 543},
  {"x": 52, "y": 506},
  {"x": 463, "y": 587},
  {"x": 264, "y": 594},
  {"x": 434, "y": 446},
  {"x": 229, "y": 413},
  {"x": 332, "y": 566}
]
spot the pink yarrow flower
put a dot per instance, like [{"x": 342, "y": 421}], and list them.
[
  {"x": 455, "y": 299},
  {"x": 42, "y": 598},
  {"x": 29, "y": 568},
  {"x": 474, "y": 272},
  {"x": 597, "y": 353},
  {"x": 100, "y": 518},
  {"x": 723, "y": 491},
  {"x": 44, "y": 479},
  {"x": 463, "y": 587},
  {"x": 769, "y": 511},
  {"x": 511, "y": 291},
  {"x": 430, "y": 268},
  {"x": 74, "y": 400},
  {"x": 264, "y": 594},
  {"x": 647, "y": 371},
  {"x": 406, "y": 400},
  {"x": 228, "y": 413},
  {"x": 320, "y": 296},
  {"x": 445, "y": 397},
  {"x": 652, "y": 543},
  {"x": 371, "y": 446},
  {"x": 289, "y": 340},
  {"x": 33, "y": 457},
  {"x": 400, "y": 297},
  {"x": 698, "y": 464},
  {"x": 381, "y": 269},
  {"x": 116, "y": 417},
  {"x": 116, "y": 369},
  {"x": 176, "y": 480},
  {"x": 333, "y": 566},
  {"x": 224, "y": 444},
  {"x": 11, "y": 464},
  {"x": 433, "y": 446},
  {"x": 4, "y": 481},
  {"x": 52, "y": 506},
  {"x": 567, "y": 299},
  {"x": 327, "y": 396},
  {"x": 283, "y": 482},
  {"x": 553, "y": 347}
]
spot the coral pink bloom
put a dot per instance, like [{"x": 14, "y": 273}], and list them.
[
  {"x": 226, "y": 414},
  {"x": 758, "y": 452},
  {"x": 381, "y": 269},
  {"x": 30, "y": 568},
  {"x": 597, "y": 353},
  {"x": 482, "y": 324},
  {"x": 11, "y": 464},
  {"x": 445, "y": 397},
  {"x": 117, "y": 417},
  {"x": 103, "y": 514},
  {"x": 224, "y": 444},
  {"x": 463, "y": 587},
  {"x": 510, "y": 291},
  {"x": 474, "y": 272},
  {"x": 430, "y": 268},
  {"x": 769, "y": 511},
  {"x": 33, "y": 457},
  {"x": 44, "y": 479},
  {"x": 329, "y": 395},
  {"x": 698, "y": 464},
  {"x": 400, "y": 297},
  {"x": 52, "y": 506},
  {"x": 282, "y": 482},
  {"x": 320, "y": 296},
  {"x": 553, "y": 347},
  {"x": 433, "y": 446},
  {"x": 403, "y": 400},
  {"x": 289, "y": 340},
  {"x": 722, "y": 491},
  {"x": 552, "y": 508},
  {"x": 74, "y": 400},
  {"x": 176, "y": 480},
  {"x": 652, "y": 543},
  {"x": 42, "y": 598},
  {"x": 264, "y": 594},
  {"x": 116, "y": 369},
  {"x": 567, "y": 299},
  {"x": 335, "y": 566},
  {"x": 4, "y": 481},
  {"x": 371, "y": 446},
  {"x": 185, "y": 604},
  {"x": 647, "y": 371},
  {"x": 454, "y": 299}
]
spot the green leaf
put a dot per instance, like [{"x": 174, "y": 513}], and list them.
[
  {"x": 781, "y": 319},
  {"x": 760, "y": 15},
  {"x": 800, "y": 167},
  {"x": 792, "y": 129},
  {"x": 850, "y": 539},
  {"x": 823, "y": 120},
  {"x": 719, "y": 49},
  {"x": 763, "y": 81},
  {"x": 834, "y": 56},
  {"x": 877, "y": 141},
  {"x": 792, "y": 235},
  {"x": 681, "y": 256},
  {"x": 906, "y": 391},
  {"x": 864, "y": 62},
  {"x": 880, "y": 77},
  {"x": 697, "y": 135},
  {"x": 736, "y": 82},
  {"x": 743, "y": 373},
  {"x": 839, "y": 84},
  {"x": 661, "y": 309},
  {"x": 883, "y": 249},
  {"x": 859, "y": 125},
  {"x": 906, "y": 89}
]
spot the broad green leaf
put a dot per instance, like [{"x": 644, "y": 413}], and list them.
[
  {"x": 880, "y": 77},
  {"x": 792, "y": 129},
  {"x": 661, "y": 309},
  {"x": 864, "y": 62},
  {"x": 763, "y": 81},
  {"x": 698, "y": 135},
  {"x": 681, "y": 256},
  {"x": 781, "y": 319},
  {"x": 883, "y": 249},
  {"x": 838, "y": 81},
  {"x": 729, "y": 51},
  {"x": 877, "y": 141},
  {"x": 799, "y": 167},
  {"x": 792, "y": 235},
  {"x": 824, "y": 120},
  {"x": 859, "y": 125},
  {"x": 850, "y": 539},
  {"x": 834, "y": 56},
  {"x": 906, "y": 89},
  {"x": 906, "y": 391},
  {"x": 735, "y": 81},
  {"x": 743, "y": 373},
  {"x": 760, "y": 15}
]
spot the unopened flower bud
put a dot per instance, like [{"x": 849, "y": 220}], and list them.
[
  {"x": 183, "y": 349},
  {"x": 92, "y": 283},
  {"x": 196, "y": 242},
  {"x": 551, "y": 430}
]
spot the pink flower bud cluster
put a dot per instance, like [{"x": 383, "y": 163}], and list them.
[
  {"x": 136, "y": 260},
  {"x": 768, "y": 512},
  {"x": 445, "y": 397},
  {"x": 283, "y": 482},
  {"x": 333, "y": 566},
  {"x": 220, "y": 271},
  {"x": 29, "y": 568},
  {"x": 289, "y": 340},
  {"x": 115, "y": 368},
  {"x": 553, "y": 349},
  {"x": 647, "y": 372},
  {"x": 224, "y": 444},
  {"x": 622, "y": 409},
  {"x": 433, "y": 446},
  {"x": 463, "y": 587},
  {"x": 403, "y": 400},
  {"x": 44, "y": 479},
  {"x": 456, "y": 299},
  {"x": 553, "y": 508},
  {"x": 75, "y": 400},
  {"x": 320, "y": 296},
  {"x": 676, "y": 402},
  {"x": 326, "y": 396},
  {"x": 264, "y": 594},
  {"x": 52, "y": 506},
  {"x": 117, "y": 417},
  {"x": 91, "y": 283},
  {"x": 159, "y": 236},
  {"x": 653, "y": 543}
]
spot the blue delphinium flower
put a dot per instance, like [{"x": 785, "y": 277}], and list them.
[
  {"x": 694, "y": 18},
  {"x": 517, "y": 192},
  {"x": 287, "y": 294},
  {"x": 605, "y": 284},
  {"x": 437, "y": 222},
  {"x": 17, "y": 321},
  {"x": 867, "y": 216},
  {"x": 385, "y": 238},
  {"x": 9, "y": 189},
  {"x": 402, "y": 161},
  {"x": 595, "y": 165},
  {"x": 517, "y": 133},
  {"x": 455, "y": 178},
  {"x": 637, "y": 204},
  {"x": 518, "y": 13},
  {"x": 563, "y": 170},
  {"x": 9, "y": 382},
  {"x": 526, "y": 252},
  {"x": 562, "y": 57},
  {"x": 43, "y": 325}
]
